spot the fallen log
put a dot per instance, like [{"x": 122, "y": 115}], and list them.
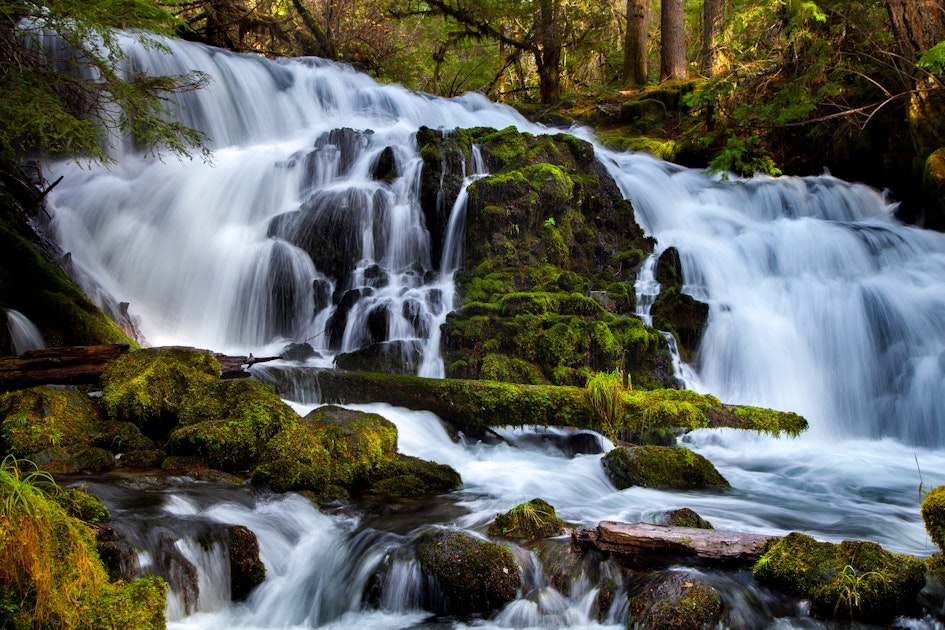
[
  {"x": 70, "y": 365},
  {"x": 646, "y": 545},
  {"x": 83, "y": 365}
]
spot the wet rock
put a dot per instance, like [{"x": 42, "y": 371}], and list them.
[
  {"x": 392, "y": 357},
  {"x": 117, "y": 554},
  {"x": 470, "y": 575},
  {"x": 673, "y": 600},
  {"x": 406, "y": 476},
  {"x": 247, "y": 571},
  {"x": 530, "y": 520},
  {"x": 674, "y": 311},
  {"x": 661, "y": 467},
  {"x": 298, "y": 352},
  {"x": 684, "y": 517},
  {"x": 384, "y": 168}
]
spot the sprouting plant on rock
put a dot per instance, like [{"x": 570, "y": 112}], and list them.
[{"x": 606, "y": 392}]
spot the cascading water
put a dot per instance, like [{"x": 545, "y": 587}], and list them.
[
  {"x": 24, "y": 335},
  {"x": 307, "y": 227}
]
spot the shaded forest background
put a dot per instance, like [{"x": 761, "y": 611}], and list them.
[{"x": 792, "y": 86}]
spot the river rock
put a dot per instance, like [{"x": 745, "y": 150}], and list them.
[
  {"x": 470, "y": 575},
  {"x": 674, "y": 600},
  {"x": 247, "y": 571},
  {"x": 661, "y": 467}
]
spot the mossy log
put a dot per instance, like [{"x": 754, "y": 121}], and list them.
[
  {"x": 473, "y": 406},
  {"x": 644, "y": 544}
]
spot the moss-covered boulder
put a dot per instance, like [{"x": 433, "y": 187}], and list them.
[
  {"x": 82, "y": 505},
  {"x": 673, "y": 600},
  {"x": 54, "y": 427},
  {"x": 853, "y": 580},
  {"x": 661, "y": 467},
  {"x": 228, "y": 424},
  {"x": 405, "y": 476},
  {"x": 685, "y": 517},
  {"x": 331, "y": 446},
  {"x": 469, "y": 575},
  {"x": 247, "y": 571},
  {"x": 530, "y": 520},
  {"x": 933, "y": 514},
  {"x": 148, "y": 387}
]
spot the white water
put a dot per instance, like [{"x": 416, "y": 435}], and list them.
[
  {"x": 24, "y": 335},
  {"x": 820, "y": 303}
]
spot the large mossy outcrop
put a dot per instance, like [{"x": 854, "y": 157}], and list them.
[
  {"x": 551, "y": 253},
  {"x": 469, "y": 575},
  {"x": 661, "y": 467},
  {"x": 852, "y": 580}
]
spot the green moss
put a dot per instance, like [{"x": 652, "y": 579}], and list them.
[
  {"x": 147, "y": 387},
  {"x": 330, "y": 446},
  {"x": 404, "y": 476},
  {"x": 82, "y": 505},
  {"x": 675, "y": 601},
  {"x": 933, "y": 514},
  {"x": 227, "y": 424},
  {"x": 684, "y": 517},
  {"x": 683, "y": 316},
  {"x": 39, "y": 419},
  {"x": 661, "y": 467},
  {"x": 853, "y": 580},
  {"x": 472, "y": 575},
  {"x": 122, "y": 437},
  {"x": 531, "y": 520},
  {"x": 499, "y": 367}
]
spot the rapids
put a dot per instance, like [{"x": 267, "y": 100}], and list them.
[{"x": 821, "y": 303}]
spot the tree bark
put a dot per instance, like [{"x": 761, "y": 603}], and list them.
[
  {"x": 643, "y": 544},
  {"x": 713, "y": 13},
  {"x": 673, "y": 40},
  {"x": 917, "y": 25},
  {"x": 634, "y": 43},
  {"x": 548, "y": 50}
]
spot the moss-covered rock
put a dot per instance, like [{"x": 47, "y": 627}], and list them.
[
  {"x": 685, "y": 517},
  {"x": 247, "y": 571},
  {"x": 82, "y": 505},
  {"x": 41, "y": 418},
  {"x": 530, "y": 520},
  {"x": 674, "y": 600},
  {"x": 933, "y": 514},
  {"x": 470, "y": 575},
  {"x": 228, "y": 424},
  {"x": 54, "y": 427},
  {"x": 661, "y": 467},
  {"x": 122, "y": 437},
  {"x": 329, "y": 446},
  {"x": 405, "y": 476},
  {"x": 148, "y": 387},
  {"x": 853, "y": 580}
]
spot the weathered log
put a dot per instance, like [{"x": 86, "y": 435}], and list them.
[
  {"x": 644, "y": 544},
  {"x": 75, "y": 365},
  {"x": 69, "y": 365}
]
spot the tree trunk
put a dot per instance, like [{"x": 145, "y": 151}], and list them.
[
  {"x": 713, "y": 13},
  {"x": 548, "y": 55},
  {"x": 918, "y": 25},
  {"x": 634, "y": 43},
  {"x": 673, "y": 37}
]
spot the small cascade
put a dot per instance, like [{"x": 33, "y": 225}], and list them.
[
  {"x": 24, "y": 335},
  {"x": 647, "y": 288}
]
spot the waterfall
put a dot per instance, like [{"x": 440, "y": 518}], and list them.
[
  {"x": 24, "y": 335},
  {"x": 306, "y": 226}
]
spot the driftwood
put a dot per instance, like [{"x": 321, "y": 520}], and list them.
[
  {"x": 75, "y": 365},
  {"x": 644, "y": 544}
]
